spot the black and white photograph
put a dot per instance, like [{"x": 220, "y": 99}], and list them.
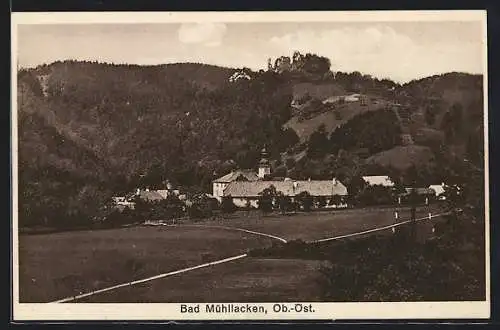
[{"x": 250, "y": 165}]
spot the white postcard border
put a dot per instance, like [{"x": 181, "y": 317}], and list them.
[{"x": 171, "y": 311}]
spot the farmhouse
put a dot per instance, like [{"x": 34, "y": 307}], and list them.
[
  {"x": 438, "y": 190},
  {"x": 422, "y": 195},
  {"x": 352, "y": 98},
  {"x": 239, "y": 175},
  {"x": 244, "y": 186},
  {"x": 150, "y": 195},
  {"x": 122, "y": 202},
  {"x": 147, "y": 195},
  {"x": 247, "y": 193},
  {"x": 382, "y": 180}
]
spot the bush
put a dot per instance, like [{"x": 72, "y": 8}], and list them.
[
  {"x": 305, "y": 201},
  {"x": 374, "y": 195},
  {"x": 265, "y": 204},
  {"x": 227, "y": 205},
  {"x": 320, "y": 202}
]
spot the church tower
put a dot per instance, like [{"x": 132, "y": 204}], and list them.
[{"x": 264, "y": 167}]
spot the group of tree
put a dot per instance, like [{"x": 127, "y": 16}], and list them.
[
  {"x": 171, "y": 208},
  {"x": 374, "y": 131},
  {"x": 411, "y": 270},
  {"x": 307, "y": 65},
  {"x": 128, "y": 126},
  {"x": 313, "y": 67},
  {"x": 96, "y": 129},
  {"x": 271, "y": 199}
]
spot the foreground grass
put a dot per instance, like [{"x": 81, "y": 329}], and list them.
[
  {"x": 317, "y": 225},
  {"x": 54, "y": 266},
  {"x": 448, "y": 265},
  {"x": 247, "y": 280},
  {"x": 65, "y": 264}
]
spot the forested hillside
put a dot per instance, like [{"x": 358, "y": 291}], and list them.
[{"x": 88, "y": 130}]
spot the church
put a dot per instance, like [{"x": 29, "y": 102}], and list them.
[{"x": 244, "y": 186}]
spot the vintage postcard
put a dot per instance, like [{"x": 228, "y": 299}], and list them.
[{"x": 250, "y": 166}]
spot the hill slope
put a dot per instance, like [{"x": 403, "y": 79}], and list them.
[
  {"x": 86, "y": 128},
  {"x": 133, "y": 118}
]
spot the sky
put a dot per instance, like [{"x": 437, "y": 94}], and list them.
[{"x": 401, "y": 51}]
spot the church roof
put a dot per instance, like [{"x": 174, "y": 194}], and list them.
[
  {"x": 288, "y": 188},
  {"x": 245, "y": 175},
  {"x": 264, "y": 162}
]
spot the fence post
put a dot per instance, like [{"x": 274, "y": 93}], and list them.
[{"x": 396, "y": 216}]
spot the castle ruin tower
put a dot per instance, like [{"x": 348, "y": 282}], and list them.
[{"x": 264, "y": 167}]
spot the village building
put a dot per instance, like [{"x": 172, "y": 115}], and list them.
[
  {"x": 244, "y": 186},
  {"x": 150, "y": 195},
  {"x": 379, "y": 180},
  {"x": 122, "y": 202},
  {"x": 221, "y": 183},
  {"x": 245, "y": 194},
  {"x": 422, "y": 195},
  {"x": 145, "y": 194},
  {"x": 438, "y": 190}
]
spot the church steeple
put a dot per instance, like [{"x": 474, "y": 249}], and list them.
[{"x": 264, "y": 166}]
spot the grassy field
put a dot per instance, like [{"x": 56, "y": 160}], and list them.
[
  {"x": 304, "y": 128},
  {"x": 54, "y": 266},
  {"x": 402, "y": 157},
  {"x": 248, "y": 280},
  {"x": 317, "y": 225}
]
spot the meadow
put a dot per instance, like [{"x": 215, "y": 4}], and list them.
[
  {"x": 244, "y": 280},
  {"x": 55, "y": 266},
  {"x": 59, "y": 265},
  {"x": 322, "y": 224}
]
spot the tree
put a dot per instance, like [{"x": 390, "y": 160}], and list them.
[
  {"x": 316, "y": 65},
  {"x": 354, "y": 187},
  {"x": 142, "y": 209},
  {"x": 266, "y": 199},
  {"x": 321, "y": 202},
  {"x": 306, "y": 201},
  {"x": 284, "y": 202},
  {"x": 287, "y": 138},
  {"x": 375, "y": 195},
  {"x": 290, "y": 163},
  {"x": 318, "y": 142},
  {"x": 227, "y": 205},
  {"x": 336, "y": 200},
  {"x": 201, "y": 206},
  {"x": 168, "y": 208}
]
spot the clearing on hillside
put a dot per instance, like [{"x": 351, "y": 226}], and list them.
[
  {"x": 332, "y": 119},
  {"x": 402, "y": 157}
]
